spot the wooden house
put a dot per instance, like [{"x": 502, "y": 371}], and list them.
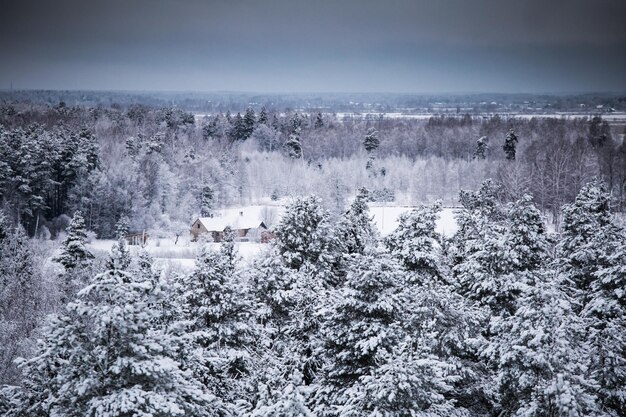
[{"x": 246, "y": 229}]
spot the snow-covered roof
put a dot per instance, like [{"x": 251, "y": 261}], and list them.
[{"x": 235, "y": 221}]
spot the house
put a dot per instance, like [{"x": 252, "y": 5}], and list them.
[
  {"x": 137, "y": 239},
  {"x": 247, "y": 229}
]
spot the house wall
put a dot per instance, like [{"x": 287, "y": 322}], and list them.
[
  {"x": 241, "y": 235},
  {"x": 197, "y": 228}
]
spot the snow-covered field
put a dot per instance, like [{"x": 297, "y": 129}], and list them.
[
  {"x": 386, "y": 219},
  {"x": 167, "y": 253}
]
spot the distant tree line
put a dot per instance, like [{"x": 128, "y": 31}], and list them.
[{"x": 161, "y": 167}]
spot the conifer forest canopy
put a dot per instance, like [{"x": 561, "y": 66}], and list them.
[{"x": 313, "y": 209}]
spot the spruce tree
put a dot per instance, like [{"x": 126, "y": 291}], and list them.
[
  {"x": 238, "y": 129},
  {"x": 207, "y": 202},
  {"x": 249, "y": 122},
  {"x": 121, "y": 258},
  {"x": 74, "y": 252},
  {"x": 263, "y": 117}
]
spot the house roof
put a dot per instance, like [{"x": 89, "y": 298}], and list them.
[{"x": 235, "y": 221}]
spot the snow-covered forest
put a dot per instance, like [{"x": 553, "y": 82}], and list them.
[
  {"x": 332, "y": 319},
  {"x": 520, "y": 312},
  {"x": 296, "y": 208},
  {"x": 164, "y": 167}
]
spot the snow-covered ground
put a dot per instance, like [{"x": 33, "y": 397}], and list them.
[
  {"x": 386, "y": 219},
  {"x": 182, "y": 254}
]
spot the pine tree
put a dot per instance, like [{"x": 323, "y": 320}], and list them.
[
  {"x": 303, "y": 235},
  {"x": 482, "y": 146},
  {"x": 238, "y": 129},
  {"x": 207, "y": 202},
  {"x": 445, "y": 332},
  {"x": 371, "y": 141},
  {"x": 361, "y": 327},
  {"x": 21, "y": 296},
  {"x": 587, "y": 230},
  {"x": 289, "y": 402},
  {"x": 406, "y": 384},
  {"x": 355, "y": 231},
  {"x": 541, "y": 356},
  {"x": 249, "y": 121},
  {"x": 497, "y": 246},
  {"x": 296, "y": 123},
  {"x": 120, "y": 254},
  {"x": 263, "y": 117},
  {"x": 108, "y": 356},
  {"x": 219, "y": 321},
  {"x": 413, "y": 242},
  {"x": 293, "y": 145},
  {"x": 510, "y": 145},
  {"x": 319, "y": 121},
  {"x": 605, "y": 313},
  {"x": 74, "y": 252}
]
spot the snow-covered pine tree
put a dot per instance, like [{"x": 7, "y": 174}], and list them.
[
  {"x": 541, "y": 356},
  {"x": 74, "y": 251},
  {"x": 371, "y": 141},
  {"x": 303, "y": 236},
  {"x": 355, "y": 231},
  {"x": 497, "y": 246},
  {"x": 588, "y": 233},
  {"x": 21, "y": 294},
  {"x": 510, "y": 145},
  {"x": 591, "y": 263},
  {"x": 408, "y": 383},
  {"x": 120, "y": 258},
  {"x": 482, "y": 147},
  {"x": 605, "y": 313},
  {"x": 207, "y": 201},
  {"x": 219, "y": 321},
  {"x": 360, "y": 328},
  {"x": 263, "y": 117},
  {"x": 445, "y": 330},
  {"x": 107, "y": 356},
  {"x": 413, "y": 242},
  {"x": 293, "y": 145},
  {"x": 527, "y": 234},
  {"x": 249, "y": 121},
  {"x": 319, "y": 121},
  {"x": 289, "y": 402}
]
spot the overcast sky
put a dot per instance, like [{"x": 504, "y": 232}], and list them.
[{"x": 315, "y": 46}]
